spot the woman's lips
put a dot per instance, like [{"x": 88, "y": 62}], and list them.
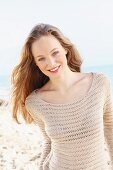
[{"x": 55, "y": 69}]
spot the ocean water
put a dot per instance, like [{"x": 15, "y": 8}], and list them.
[{"x": 5, "y": 82}]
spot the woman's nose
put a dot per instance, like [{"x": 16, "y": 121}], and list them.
[{"x": 50, "y": 62}]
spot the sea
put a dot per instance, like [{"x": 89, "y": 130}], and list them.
[{"x": 5, "y": 80}]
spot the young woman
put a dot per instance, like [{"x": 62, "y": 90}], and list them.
[{"x": 74, "y": 110}]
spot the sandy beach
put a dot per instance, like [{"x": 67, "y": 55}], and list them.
[{"x": 20, "y": 145}]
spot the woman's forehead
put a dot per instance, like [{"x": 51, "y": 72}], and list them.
[{"x": 45, "y": 43}]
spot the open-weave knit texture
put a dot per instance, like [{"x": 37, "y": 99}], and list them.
[{"x": 75, "y": 132}]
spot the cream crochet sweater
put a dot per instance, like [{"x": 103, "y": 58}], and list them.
[{"x": 75, "y": 133}]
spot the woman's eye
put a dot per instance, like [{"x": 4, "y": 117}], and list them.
[
  {"x": 40, "y": 59},
  {"x": 56, "y": 52}
]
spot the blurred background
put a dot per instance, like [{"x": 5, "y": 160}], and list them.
[{"x": 88, "y": 24}]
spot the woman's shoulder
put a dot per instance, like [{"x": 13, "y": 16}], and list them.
[
  {"x": 100, "y": 75},
  {"x": 31, "y": 98},
  {"x": 103, "y": 79},
  {"x": 103, "y": 76},
  {"x": 100, "y": 78},
  {"x": 97, "y": 75}
]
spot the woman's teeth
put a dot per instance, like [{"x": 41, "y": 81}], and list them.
[{"x": 54, "y": 69}]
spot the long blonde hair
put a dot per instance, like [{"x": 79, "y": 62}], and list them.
[{"x": 27, "y": 77}]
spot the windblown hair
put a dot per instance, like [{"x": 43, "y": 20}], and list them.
[{"x": 27, "y": 77}]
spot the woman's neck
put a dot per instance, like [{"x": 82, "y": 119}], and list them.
[{"x": 64, "y": 82}]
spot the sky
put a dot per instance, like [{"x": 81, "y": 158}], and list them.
[{"x": 87, "y": 23}]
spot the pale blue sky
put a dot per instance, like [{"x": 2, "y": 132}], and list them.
[{"x": 88, "y": 23}]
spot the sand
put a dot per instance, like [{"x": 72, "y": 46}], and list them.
[{"x": 20, "y": 145}]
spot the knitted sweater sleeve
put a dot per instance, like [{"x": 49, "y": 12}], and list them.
[
  {"x": 46, "y": 145},
  {"x": 108, "y": 119}
]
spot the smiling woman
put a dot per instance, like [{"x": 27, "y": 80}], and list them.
[
  {"x": 74, "y": 110},
  {"x": 51, "y": 56}
]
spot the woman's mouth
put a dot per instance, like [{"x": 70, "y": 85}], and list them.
[{"x": 55, "y": 69}]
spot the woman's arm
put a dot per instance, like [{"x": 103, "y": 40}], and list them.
[
  {"x": 108, "y": 119},
  {"x": 46, "y": 147}
]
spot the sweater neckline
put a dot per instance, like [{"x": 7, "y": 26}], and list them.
[{"x": 74, "y": 99}]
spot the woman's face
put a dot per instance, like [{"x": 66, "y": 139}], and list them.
[{"x": 49, "y": 56}]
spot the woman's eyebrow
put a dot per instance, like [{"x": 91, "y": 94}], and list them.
[
  {"x": 53, "y": 49},
  {"x": 50, "y": 52}
]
